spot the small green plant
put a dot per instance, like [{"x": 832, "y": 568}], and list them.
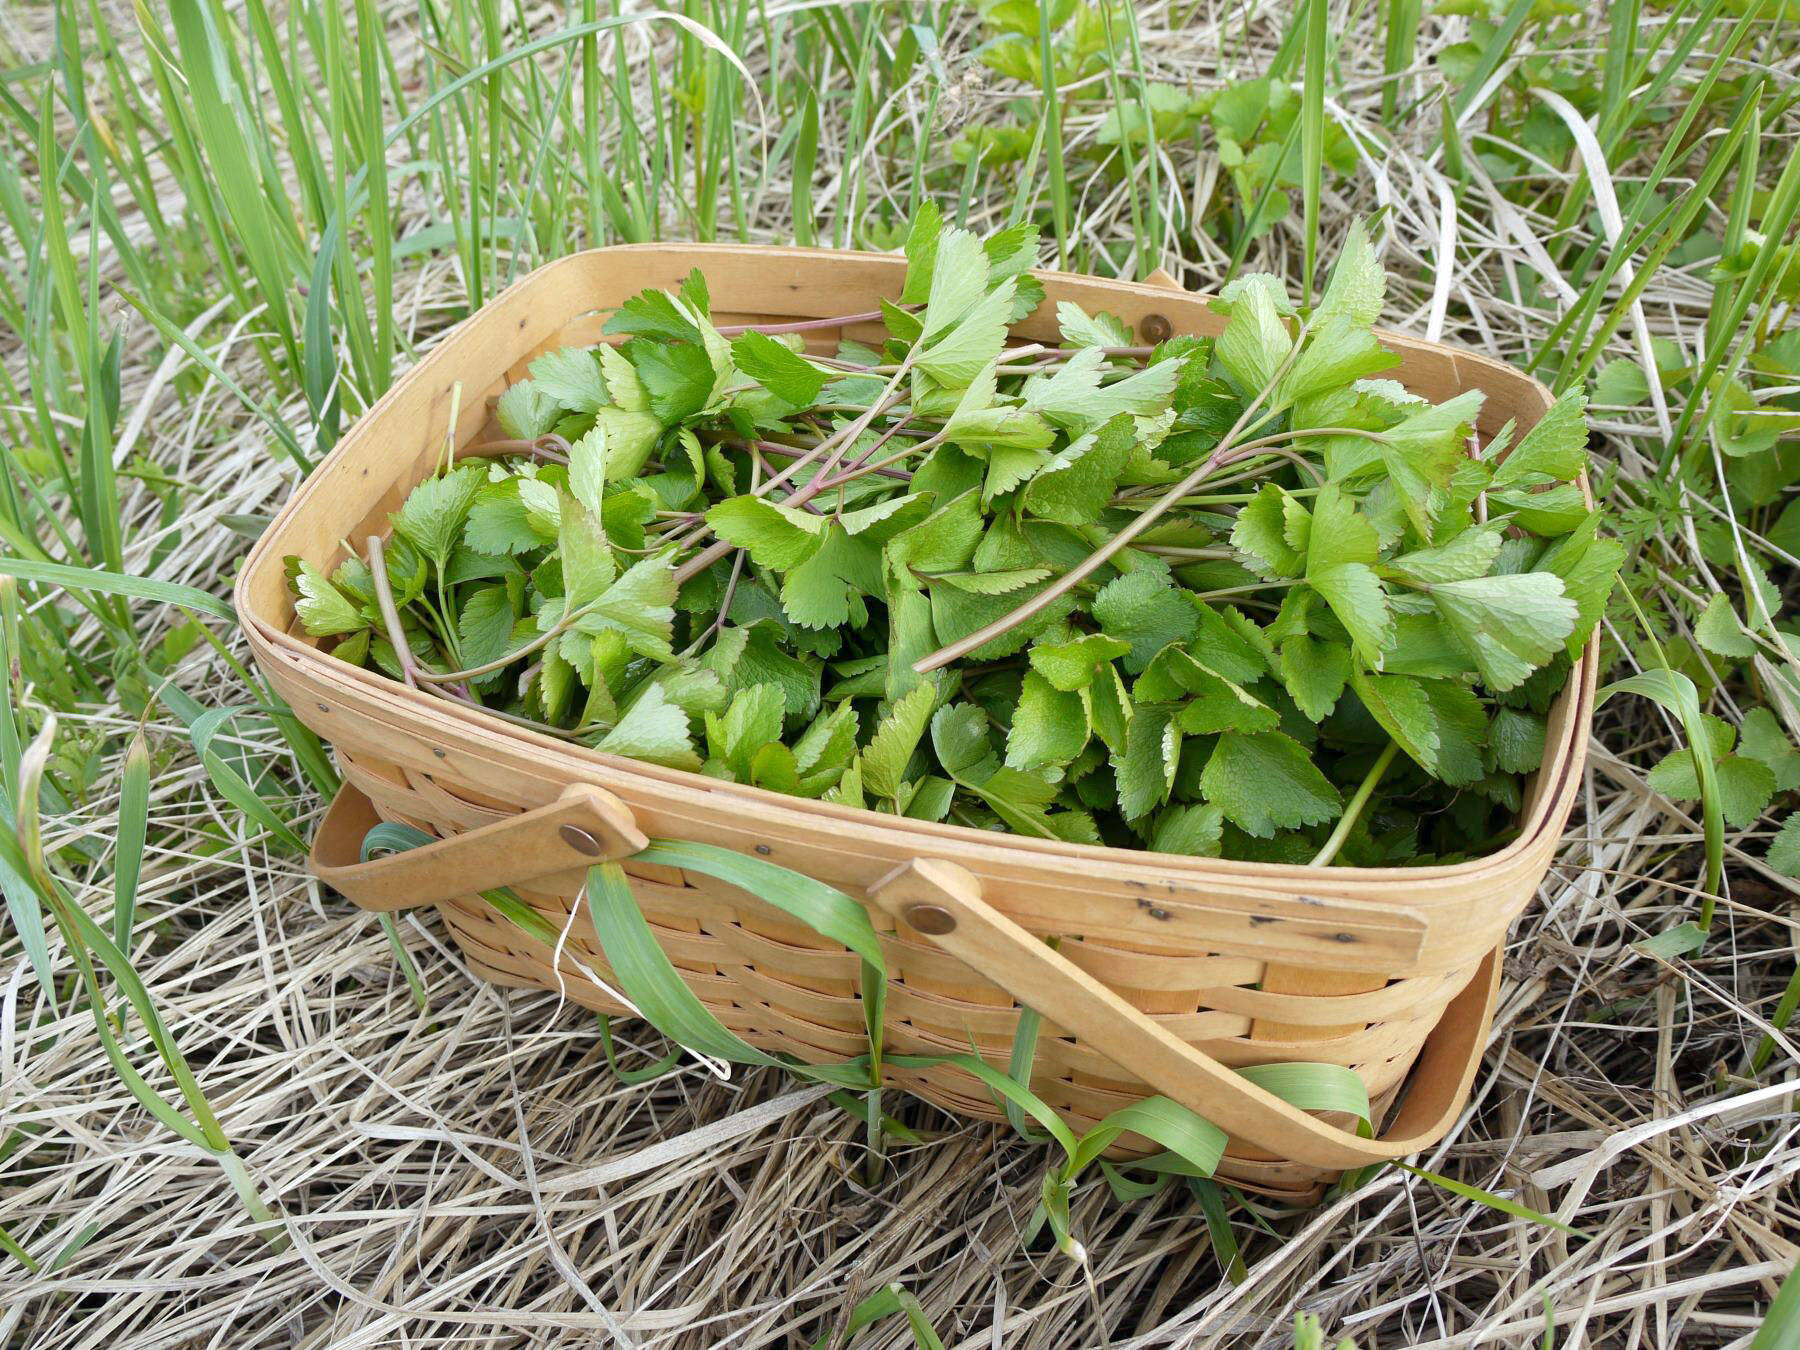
[{"x": 1232, "y": 597}]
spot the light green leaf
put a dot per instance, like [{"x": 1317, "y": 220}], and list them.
[
  {"x": 1469, "y": 554},
  {"x": 1145, "y": 772},
  {"x": 653, "y": 729},
  {"x": 778, "y": 368},
  {"x": 570, "y": 376},
  {"x": 1049, "y": 726},
  {"x": 1314, "y": 674},
  {"x": 1719, "y": 631},
  {"x": 884, "y": 759},
  {"x": 1144, "y": 609},
  {"x": 957, "y": 356},
  {"x": 959, "y": 275},
  {"x": 1255, "y": 341},
  {"x": 640, "y": 606},
  {"x": 1784, "y": 848},
  {"x": 1267, "y": 782},
  {"x": 587, "y": 468},
  {"x": 525, "y": 412},
  {"x": 587, "y": 557},
  {"x": 1070, "y": 666},
  {"x": 323, "y": 609},
  {"x": 1400, "y": 704},
  {"x": 433, "y": 514},
  {"x": 1075, "y": 486},
  {"x": 776, "y": 536},
  {"x": 1261, "y": 534},
  {"x": 1511, "y": 625},
  {"x": 1553, "y": 450},
  {"x": 1356, "y": 597},
  {"x": 1358, "y": 286}
]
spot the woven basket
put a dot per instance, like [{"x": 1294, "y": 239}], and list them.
[{"x": 1172, "y": 970}]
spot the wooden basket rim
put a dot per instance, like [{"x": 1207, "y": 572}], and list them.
[{"x": 270, "y": 639}]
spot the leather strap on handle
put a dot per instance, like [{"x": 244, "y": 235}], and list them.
[
  {"x": 585, "y": 825},
  {"x": 942, "y": 902}
]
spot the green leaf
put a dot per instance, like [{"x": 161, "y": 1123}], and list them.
[
  {"x": 1049, "y": 725},
  {"x": 1553, "y": 450},
  {"x": 1145, "y": 772},
  {"x": 752, "y": 721},
  {"x": 778, "y": 368},
  {"x": 654, "y": 314},
  {"x": 1461, "y": 730},
  {"x": 1145, "y": 610},
  {"x": 1314, "y": 674},
  {"x": 1511, "y": 625},
  {"x": 1260, "y": 534},
  {"x": 1358, "y": 286},
  {"x": 323, "y": 609},
  {"x": 776, "y": 536},
  {"x": 1356, "y": 597},
  {"x": 678, "y": 378},
  {"x": 1213, "y": 702},
  {"x": 1267, "y": 782},
  {"x": 1784, "y": 848},
  {"x": 1080, "y": 329},
  {"x": 653, "y": 729},
  {"x": 1193, "y": 830},
  {"x": 1469, "y": 554},
  {"x": 1761, "y": 738},
  {"x": 1075, "y": 486},
  {"x": 959, "y": 276},
  {"x": 1516, "y": 739},
  {"x": 959, "y": 735},
  {"x": 956, "y": 357},
  {"x": 884, "y": 759},
  {"x": 622, "y": 382},
  {"x": 1719, "y": 631},
  {"x": 1069, "y": 666},
  {"x": 1589, "y": 568},
  {"x": 485, "y": 625},
  {"x": 921, "y": 253},
  {"x": 570, "y": 376},
  {"x": 1073, "y": 396},
  {"x": 1338, "y": 351},
  {"x": 587, "y": 468},
  {"x": 1423, "y": 451},
  {"x": 1255, "y": 341},
  {"x": 499, "y": 524},
  {"x": 640, "y": 605},
  {"x": 433, "y": 514},
  {"x": 525, "y": 412},
  {"x": 1402, "y": 707},
  {"x": 1339, "y": 533},
  {"x": 587, "y": 558},
  {"x": 1745, "y": 786}
]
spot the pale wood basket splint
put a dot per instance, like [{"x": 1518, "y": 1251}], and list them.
[{"x": 1172, "y": 970}]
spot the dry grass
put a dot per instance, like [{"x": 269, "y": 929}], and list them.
[{"x": 474, "y": 1176}]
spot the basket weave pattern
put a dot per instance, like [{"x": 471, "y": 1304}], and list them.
[{"x": 1245, "y": 963}]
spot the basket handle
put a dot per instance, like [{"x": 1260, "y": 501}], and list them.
[
  {"x": 585, "y": 825},
  {"x": 942, "y": 901}
]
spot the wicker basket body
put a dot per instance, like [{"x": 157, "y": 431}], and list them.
[{"x": 1172, "y": 970}]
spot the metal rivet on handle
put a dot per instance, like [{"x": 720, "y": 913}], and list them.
[
  {"x": 580, "y": 840},
  {"x": 1154, "y": 328},
  {"x": 932, "y": 920}
]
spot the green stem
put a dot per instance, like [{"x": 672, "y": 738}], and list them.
[{"x": 1347, "y": 821}]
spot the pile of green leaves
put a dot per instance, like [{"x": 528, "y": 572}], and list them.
[{"x": 1240, "y": 597}]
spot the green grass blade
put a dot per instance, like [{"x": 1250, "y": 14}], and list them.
[{"x": 134, "y": 824}]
